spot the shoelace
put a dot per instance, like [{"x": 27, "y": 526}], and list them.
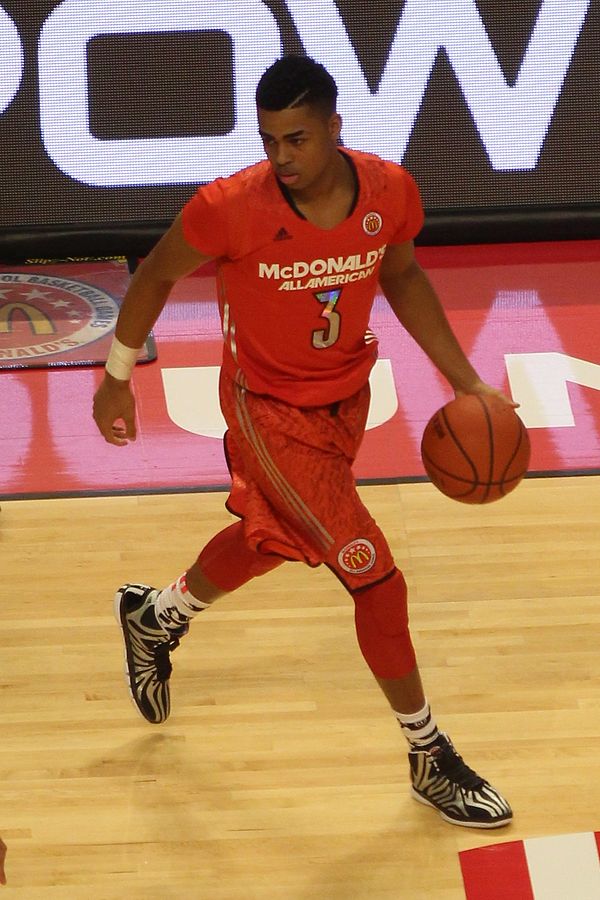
[
  {"x": 162, "y": 659},
  {"x": 454, "y": 767}
]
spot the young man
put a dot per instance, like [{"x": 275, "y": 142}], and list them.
[{"x": 301, "y": 241}]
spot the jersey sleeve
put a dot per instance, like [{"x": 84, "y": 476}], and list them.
[
  {"x": 204, "y": 219},
  {"x": 409, "y": 200}
]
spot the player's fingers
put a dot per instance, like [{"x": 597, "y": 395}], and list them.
[
  {"x": 104, "y": 420},
  {"x": 108, "y": 421},
  {"x": 118, "y": 436},
  {"x": 508, "y": 400},
  {"x": 130, "y": 429},
  {"x": 108, "y": 430},
  {"x": 111, "y": 432},
  {"x": 491, "y": 392},
  {"x": 116, "y": 440}
]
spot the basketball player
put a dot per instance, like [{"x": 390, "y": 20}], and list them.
[{"x": 301, "y": 241}]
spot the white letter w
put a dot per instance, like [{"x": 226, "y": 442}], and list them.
[{"x": 512, "y": 121}]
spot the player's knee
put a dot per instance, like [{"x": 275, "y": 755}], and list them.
[
  {"x": 228, "y": 562},
  {"x": 381, "y": 616}
]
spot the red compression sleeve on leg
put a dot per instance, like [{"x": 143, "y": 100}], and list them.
[
  {"x": 381, "y": 617},
  {"x": 228, "y": 562}
]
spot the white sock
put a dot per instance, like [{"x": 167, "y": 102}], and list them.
[
  {"x": 175, "y": 605},
  {"x": 419, "y": 728}
]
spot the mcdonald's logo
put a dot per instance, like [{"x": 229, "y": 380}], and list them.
[
  {"x": 38, "y": 320},
  {"x": 357, "y": 557}
]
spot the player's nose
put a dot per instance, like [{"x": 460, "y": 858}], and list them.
[{"x": 282, "y": 157}]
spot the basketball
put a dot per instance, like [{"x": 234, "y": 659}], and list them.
[{"x": 475, "y": 449}]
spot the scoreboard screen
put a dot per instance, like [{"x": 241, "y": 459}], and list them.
[{"x": 111, "y": 113}]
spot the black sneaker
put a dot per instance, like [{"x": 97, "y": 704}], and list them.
[
  {"x": 441, "y": 779},
  {"x": 147, "y": 647}
]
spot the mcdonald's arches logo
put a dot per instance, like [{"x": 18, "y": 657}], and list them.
[
  {"x": 42, "y": 315},
  {"x": 357, "y": 557},
  {"x": 39, "y": 321}
]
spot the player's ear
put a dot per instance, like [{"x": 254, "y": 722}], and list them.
[{"x": 335, "y": 127}]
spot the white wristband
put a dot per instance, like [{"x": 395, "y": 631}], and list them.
[{"x": 121, "y": 360}]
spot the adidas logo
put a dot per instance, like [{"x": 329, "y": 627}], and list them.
[{"x": 282, "y": 235}]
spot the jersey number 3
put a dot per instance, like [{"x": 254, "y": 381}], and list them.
[{"x": 326, "y": 337}]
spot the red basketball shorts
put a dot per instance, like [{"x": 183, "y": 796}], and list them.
[{"x": 293, "y": 486}]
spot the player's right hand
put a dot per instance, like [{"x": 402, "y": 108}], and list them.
[
  {"x": 480, "y": 387},
  {"x": 114, "y": 411}
]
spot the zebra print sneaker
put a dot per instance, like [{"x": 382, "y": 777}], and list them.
[
  {"x": 147, "y": 648},
  {"x": 441, "y": 779}
]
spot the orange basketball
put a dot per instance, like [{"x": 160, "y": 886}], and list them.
[{"x": 475, "y": 449}]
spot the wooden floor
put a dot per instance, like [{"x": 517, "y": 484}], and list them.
[{"x": 281, "y": 774}]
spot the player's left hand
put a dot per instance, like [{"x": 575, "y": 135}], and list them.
[
  {"x": 114, "y": 411},
  {"x": 480, "y": 387}
]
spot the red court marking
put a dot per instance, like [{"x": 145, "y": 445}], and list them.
[
  {"x": 499, "y": 254},
  {"x": 546, "y": 868},
  {"x": 496, "y": 873},
  {"x": 500, "y": 299}
]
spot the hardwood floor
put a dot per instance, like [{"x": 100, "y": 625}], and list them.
[{"x": 281, "y": 774}]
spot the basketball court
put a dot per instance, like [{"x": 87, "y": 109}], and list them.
[{"x": 281, "y": 773}]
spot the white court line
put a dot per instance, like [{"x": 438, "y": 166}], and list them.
[{"x": 565, "y": 867}]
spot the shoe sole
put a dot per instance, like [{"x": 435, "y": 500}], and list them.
[
  {"x": 119, "y": 615},
  {"x": 498, "y": 824}
]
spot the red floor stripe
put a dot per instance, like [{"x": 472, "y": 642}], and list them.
[{"x": 496, "y": 873}]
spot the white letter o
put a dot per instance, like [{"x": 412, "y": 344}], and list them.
[
  {"x": 64, "y": 112},
  {"x": 11, "y": 60}
]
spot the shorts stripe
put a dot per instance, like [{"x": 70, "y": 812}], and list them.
[{"x": 294, "y": 502}]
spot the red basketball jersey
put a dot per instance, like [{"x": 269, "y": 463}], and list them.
[{"x": 295, "y": 299}]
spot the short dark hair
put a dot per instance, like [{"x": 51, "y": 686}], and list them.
[{"x": 296, "y": 80}]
